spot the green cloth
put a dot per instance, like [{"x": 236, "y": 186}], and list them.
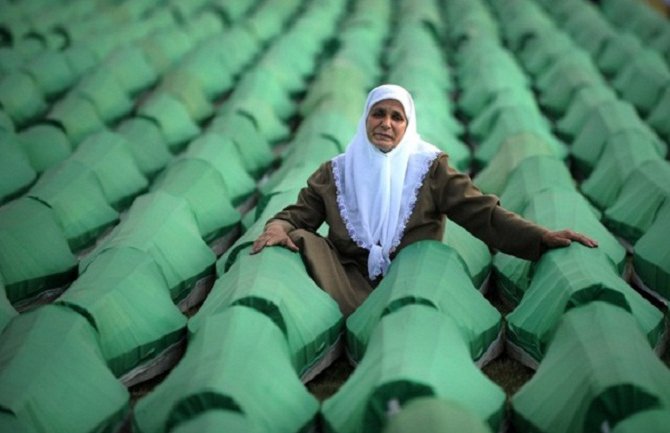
[
  {"x": 6, "y": 123},
  {"x": 623, "y": 153},
  {"x": 224, "y": 155},
  {"x": 164, "y": 227},
  {"x": 276, "y": 283},
  {"x": 617, "y": 51},
  {"x": 7, "y": 312},
  {"x": 260, "y": 83},
  {"x": 173, "y": 119},
  {"x": 164, "y": 48},
  {"x": 16, "y": 172},
  {"x": 146, "y": 142},
  {"x": 108, "y": 155},
  {"x": 474, "y": 253},
  {"x": 77, "y": 115},
  {"x": 81, "y": 58},
  {"x": 20, "y": 98},
  {"x": 131, "y": 69},
  {"x": 208, "y": 64},
  {"x": 217, "y": 420},
  {"x": 204, "y": 189},
  {"x": 648, "y": 421},
  {"x": 651, "y": 258},
  {"x": 539, "y": 53},
  {"x": 518, "y": 99},
  {"x": 584, "y": 100},
  {"x": 51, "y": 72},
  {"x": 603, "y": 122},
  {"x": 432, "y": 274},
  {"x": 186, "y": 87},
  {"x": 599, "y": 367},
  {"x": 74, "y": 192},
  {"x": 45, "y": 145},
  {"x": 567, "y": 278},
  {"x": 238, "y": 360},
  {"x": 646, "y": 189},
  {"x": 34, "y": 254},
  {"x": 532, "y": 175},
  {"x": 125, "y": 296},
  {"x": 415, "y": 351},
  {"x": 642, "y": 80},
  {"x": 432, "y": 415},
  {"x": 659, "y": 115},
  {"x": 263, "y": 116},
  {"x": 53, "y": 376},
  {"x": 513, "y": 151},
  {"x": 104, "y": 91},
  {"x": 338, "y": 127}
]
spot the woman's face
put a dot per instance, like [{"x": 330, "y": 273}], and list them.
[{"x": 386, "y": 124}]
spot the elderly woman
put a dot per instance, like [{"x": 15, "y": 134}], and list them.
[{"x": 387, "y": 190}]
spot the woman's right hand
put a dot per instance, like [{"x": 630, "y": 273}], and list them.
[{"x": 274, "y": 234}]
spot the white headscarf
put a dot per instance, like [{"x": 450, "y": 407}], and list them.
[{"x": 376, "y": 191}]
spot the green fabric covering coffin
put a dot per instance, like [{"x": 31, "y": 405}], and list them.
[
  {"x": 540, "y": 52},
  {"x": 108, "y": 155},
  {"x": 623, "y": 152},
  {"x": 208, "y": 65},
  {"x": 45, "y": 146},
  {"x": 163, "y": 226},
  {"x": 77, "y": 116},
  {"x": 651, "y": 257},
  {"x": 165, "y": 48},
  {"x": 531, "y": 176},
  {"x": 173, "y": 119},
  {"x": 54, "y": 377},
  {"x": 584, "y": 100},
  {"x": 146, "y": 142},
  {"x": 263, "y": 116},
  {"x": 648, "y": 421},
  {"x": 646, "y": 189},
  {"x": 427, "y": 273},
  {"x": 252, "y": 146},
  {"x": 276, "y": 283},
  {"x": 432, "y": 415},
  {"x": 203, "y": 187},
  {"x": 642, "y": 80},
  {"x": 604, "y": 121},
  {"x": 6, "y": 123},
  {"x": 512, "y": 152},
  {"x": 237, "y": 361},
  {"x": 224, "y": 155},
  {"x": 599, "y": 368},
  {"x": 659, "y": 115},
  {"x": 34, "y": 254},
  {"x": 16, "y": 173},
  {"x": 125, "y": 297},
  {"x": 567, "y": 278},
  {"x": 131, "y": 69},
  {"x": 261, "y": 83},
  {"x": 482, "y": 124},
  {"x": 75, "y": 194},
  {"x": 474, "y": 253},
  {"x": 7, "y": 312},
  {"x": 217, "y": 420},
  {"x": 186, "y": 87},
  {"x": 555, "y": 209},
  {"x": 51, "y": 72},
  {"x": 414, "y": 352},
  {"x": 103, "y": 90},
  {"x": 20, "y": 98},
  {"x": 616, "y": 52}
]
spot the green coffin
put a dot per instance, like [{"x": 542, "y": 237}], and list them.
[
  {"x": 20, "y": 98},
  {"x": 223, "y": 154},
  {"x": 204, "y": 189},
  {"x": 517, "y": 99},
  {"x": 7, "y": 312},
  {"x": 646, "y": 189},
  {"x": 165, "y": 48},
  {"x": 617, "y": 51},
  {"x": 433, "y": 415},
  {"x": 584, "y": 100},
  {"x": 131, "y": 69},
  {"x": 186, "y": 87},
  {"x": 642, "y": 80},
  {"x": 651, "y": 258},
  {"x": 16, "y": 173},
  {"x": 414, "y": 352},
  {"x": 599, "y": 368},
  {"x": 263, "y": 116},
  {"x": 77, "y": 116},
  {"x": 474, "y": 253},
  {"x": 649, "y": 421},
  {"x": 217, "y": 420},
  {"x": 276, "y": 283},
  {"x": 164, "y": 227},
  {"x": 54, "y": 377},
  {"x": 125, "y": 296},
  {"x": 659, "y": 115},
  {"x": 567, "y": 278},
  {"x": 147, "y": 144},
  {"x": 173, "y": 119},
  {"x": 238, "y": 361},
  {"x": 51, "y": 72},
  {"x": 104, "y": 91},
  {"x": 432, "y": 274},
  {"x": 208, "y": 64},
  {"x": 108, "y": 155},
  {"x": 45, "y": 145}
]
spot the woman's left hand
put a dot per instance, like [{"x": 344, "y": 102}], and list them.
[{"x": 563, "y": 238}]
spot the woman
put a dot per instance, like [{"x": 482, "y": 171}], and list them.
[{"x": 390, "y": 189}]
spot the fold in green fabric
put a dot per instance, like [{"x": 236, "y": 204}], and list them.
[
  {"x": 585, "y": 100},
  {"x": 433, "y": 415},
  {"x": 229, "y": 364},
  {"x": 124, "y": 295},
  {"x": 163, "y": 226},
  {"x": 51, "y": 72},
  {"x": 432, "y": 274},
  {"x": 7, "y": 312},
  {"x": 217, "y": 420},
  {"x": 16, "y": 172},
  {"x": 147, "y": 144},
  {"x": 474, "y": 253},
  {"x": 103, "y": 90},
  {"x": 651, "y": 258},
  {"x": 648, "y": 421},
  {"x": 52, "y": 366},
  {"x": 131, "y": 69},
  {"x": 565, "y": 279},
  {"x": 276, "y": 283},
  {"x": 20, "y": 98},
  {"x": 172, "y": 118},
  {"x": 600, "y": 369},
  {"x": 45, "y": 146},
  {"x": 415, "y": 351},
  {"x": 78, "y": 117}
]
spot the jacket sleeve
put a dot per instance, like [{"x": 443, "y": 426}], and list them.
[
  {"x": 308, "y": 212},
  {"x": 481, "y": 214}
]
